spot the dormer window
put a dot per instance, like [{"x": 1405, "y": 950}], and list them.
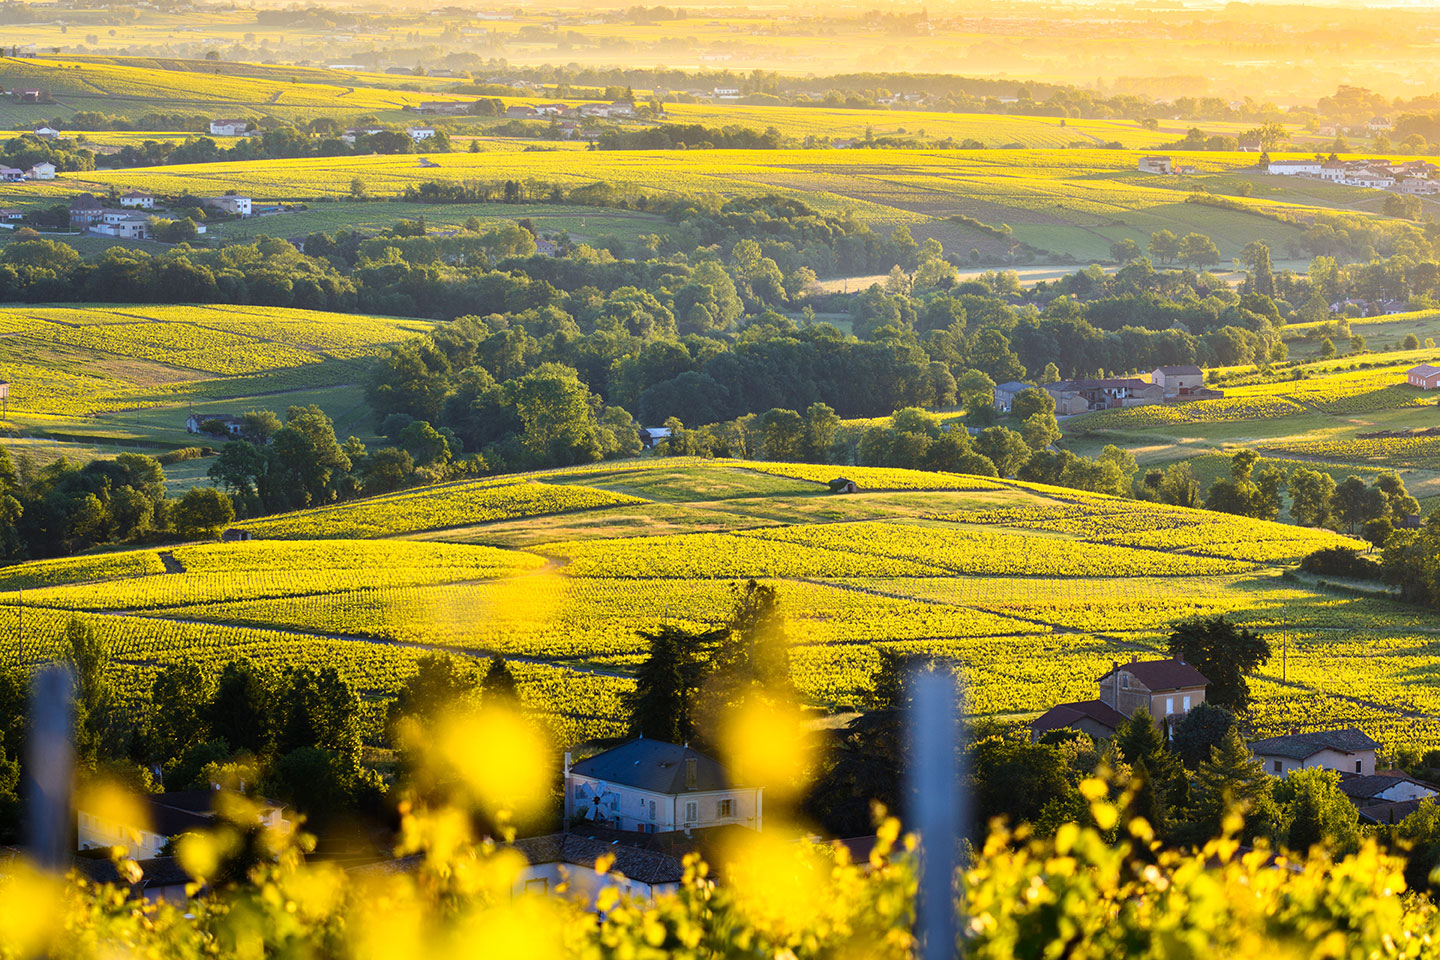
[{"x": 1124, "y": 681}]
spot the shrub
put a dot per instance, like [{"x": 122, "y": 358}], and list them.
[{"x": 1341, "y": 562}]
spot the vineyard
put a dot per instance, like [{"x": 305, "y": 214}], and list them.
[
  {"x": 72, "y": 363},
  {"x": 1073, "y": 201},
  {"x": 1033, "y": 590}
]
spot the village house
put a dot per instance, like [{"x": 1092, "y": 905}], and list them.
[
  {"x": 1378, "y": 124},
  {"x": 1005, "y": 394},
  {"x": 230, "y": 203},
  {"x": 11, "y": 174},
  {"x": 229, "y": 128},
  {"x": 161, "y": 878},
  {"x": 41, "y": 171},
  {"x": 1292, "y": 168},
  {"x": 1425, "y": 376},
  {"x": 570, "y": 858},
  {"x": 11, "y": 215},
  {"x": 420, "y": 134},
  {"x": 1347, "y": 751},
  {"x": 1163, "y": 165},
  {"x": 85, "y": 211},
  {"x": 521, "y": 112},
  {"x": 651, "y": 437},
  {"x": 1105, "y": 394},
  {"x": 1178, "y": 380},
  {"x": 1386, "y": 797},
  {"x": 137, "y": 200},
  {"x": 650, "y": 786},
  {"x": 546, "y": 248},
  {"x": 122, "y": 224},
  {"x": 443, "y": 108},
  {"x": 1168, "y": 689},
  {"x": 234, "y": 426},
  {"x": 167, "y": 816},
  {"x": 47, "y": 133}
]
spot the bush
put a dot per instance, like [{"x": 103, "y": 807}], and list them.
[
  {"x": 1341, "y": 562},
  {"x": 182, "y": 454}
]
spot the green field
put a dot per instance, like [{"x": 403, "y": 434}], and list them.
[
  {"x": 1034, "y": 590},
  {"x": 1067, "y": 201}
]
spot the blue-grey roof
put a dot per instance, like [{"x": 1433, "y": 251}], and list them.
[
  {"x": 1015, "y": 386},
  {"x": 1300, "y": 746},
  {"x": 653, "y": 765}
]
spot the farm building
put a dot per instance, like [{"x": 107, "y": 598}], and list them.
[
  {"x": 1386, "y": 797},
  {"x": 1425, "y": 376},
  {"x": 420, "y": 133},
  {"x": 1005, "y": 394},
  {"x": 11, "y": 174},
  {"x": 1168, "y": 689},
  {"x": 234, "y": 425},
  {"x": 230, "y": 203},
  {"x": 442, "y": 108},
  {"x": 11, "y": 215},
  {"x": 1347, "y": 751},
  {"x": 1178, "y": 380},
  {"x": 1292, "y": 168},
  {"x": 47, "y": 133},
  {"x": 41, "y": 171},
  {"x": 229, "y": 128},
  {"x": 651, "y": 437},
  {"x": 1104, "y": 394},
  {"x": 521, "y": 112},
  {"x": 650, "y": 786},
  {"x": 85, "y": 211},
  {"x": 122, "y": 224},
  {"x": 1157, "y": 165},
  {"x": 137, "y": 199}
]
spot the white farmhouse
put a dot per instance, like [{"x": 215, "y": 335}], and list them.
[
  {"x": 650, "y": 786},
  {"x": 229, "y": 128},
  {"x": 420, "y": 133},
  {"x": 1347, "y": 751},
  {"x": 571, "y": 859},
  {"x": 1293, "y": 168},
  {"x": 41, "y": 171},
  {"x": 137, "y": 200}
]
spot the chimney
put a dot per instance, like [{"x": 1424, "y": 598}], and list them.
[
  {"x": 692, "y": 778},
  {"x": 1115, "y": 681}
]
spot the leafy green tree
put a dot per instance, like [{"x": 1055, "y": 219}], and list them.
[
  {"x": 203, "y": 514},
  {"x": 1158, "y": 779},
  {"x": 1224, "y": 653},
  {"x": 1256, "y": 256},
  {"x": 244, "y": 709},
  {"x": 1163, "y": 246},
  {"x": 1040, "y": 431},
  {"x": 320, "y": 710},
  {"x": 1354, "y": 503},
  {"x": 1016, "y": 779},
  {"x": 1204, "y": 727},
  {"x": 1197, "y": 250},
  {"x": 441, "y": 682},
  {"x": 1311, "y": 497},
  {"x": 1005, "y": 448},
  {"x": 499, "y": 685},
  {"x": 1179, "y": 487},
  {"x": 1230, "y": 779},
  {"x": 1123, "y": 251},
  {"x": 100, "y": 730},
  {"x": 1400, "y": 503},
  {"x": 666, "y": 684},
  {"x": 1029, "y": 402},
  {"x": 822, "y": 426},
  {"x": 1316, "y": 811},
  {"x": 179, "y": 709},
  {"x": 782, "y": 434}
]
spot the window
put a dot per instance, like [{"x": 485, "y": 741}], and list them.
[
  {"x": 538, "y": 885},
  {"x": 1277, "y": 766},
  {"x": 1185, "y": 703},
  {"x": 1124, "y": 681},
  {"x": 652, "y": 809},
  {"x": 692, "y": 811},
  {"x": 727, "y": 808},
  {"x": 1169, "y": 706},
  {"x": 1359, "y": 766}
]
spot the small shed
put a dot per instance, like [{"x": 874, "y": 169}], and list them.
[
  {"x": 843, "y": 485},
  {"x": 234, "y": 534}
]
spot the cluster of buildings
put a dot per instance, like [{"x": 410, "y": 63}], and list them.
[
  {"x": 1173, "y": 384},
  {"x": 132, "y": 220},
  {"x": 1166, "y": 166},
  {"x": 1418, "y": 177},
  {"x": 1170, "y": 689},
  {"x": 618, "y": 110}
]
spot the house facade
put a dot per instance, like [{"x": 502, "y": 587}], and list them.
[
  {"x": 1294, "y": 168},
  {"x": 1163, "y": 165},
  {"x": 137, "y": 200},
  {"x": 1178, "y": 380},
  {"x": 1169, "y": 689},
  {"x": 419, "y": 134},
  {"x": 235, "y": 205},
  {"x": 229, "y": 128},
  {"x": 41, "y": 171},
  {"x": 650, "y": 786},
  {"x": 234, "y": 426},
  {"x": 1347, "y": 751},
  {"x": 85, "y": 212},
  {"x": 1105, "y": 394},
  {"x": 1425, "y": 376}
]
